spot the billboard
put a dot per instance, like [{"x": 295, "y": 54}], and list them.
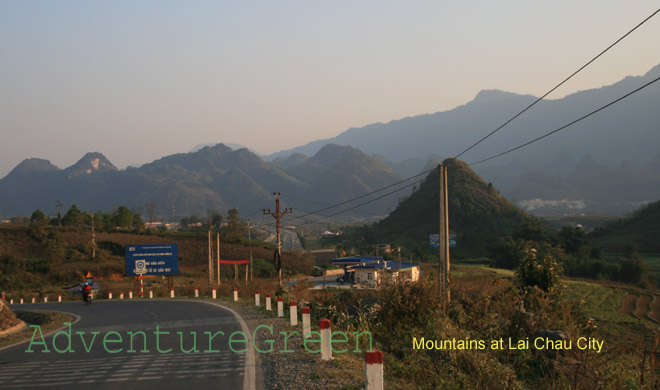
[{"x": 156, "y": 259}]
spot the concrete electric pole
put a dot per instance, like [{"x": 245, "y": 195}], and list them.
[
  {"x": 444, "y": 239},
  {"x": 93, "y": 239},
  {"x": 278, "y": 215}
]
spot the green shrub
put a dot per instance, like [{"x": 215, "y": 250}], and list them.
[{"x": 539, "y": 269}]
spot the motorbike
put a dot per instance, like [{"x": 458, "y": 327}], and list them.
[{"x": 88, "y": 298}]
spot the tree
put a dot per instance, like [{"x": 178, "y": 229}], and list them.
[
  {"x": 573, "y": 239},
  {"x": 633, "y": 268},
  {"x": 73, "y": 217},
  {"x": 38, "y": 218},
  {"x": 19, "y": 220},
  {"x": 507, "y": 253},
  {"x": 123, "y": 217},
  {"x": 138, "y": 223},
  {"x": 235, "y": 227},
  {"x": 538, "y": 268},
  {"x": 38, "y": 222},
  {"x": 215, "y": 220}
]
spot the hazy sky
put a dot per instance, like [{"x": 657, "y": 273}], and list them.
[{"x": 137, "y": 80}]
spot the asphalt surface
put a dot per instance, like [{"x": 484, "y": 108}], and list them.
[
  {"x": 167, "y": 361},
  {"x": 288, "y": 238}
]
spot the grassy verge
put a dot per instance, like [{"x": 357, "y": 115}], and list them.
[{"x": 48, "y": 320}]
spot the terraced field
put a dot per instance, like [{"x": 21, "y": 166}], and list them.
[{"x": 644, "y": 307}]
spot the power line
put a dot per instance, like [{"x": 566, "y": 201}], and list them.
[
  {"x": 491, "y": 133},
  {"x": 503, "y": 153},
  {"x": 365, "y": 195},
  {"x": 558, "y": 85},
  {"x": 569, "y": 124},
  {"x": 323, "y": 204},
  {"x": 367, "y": 202}
]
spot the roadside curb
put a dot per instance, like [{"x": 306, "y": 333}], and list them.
[{"x": 14, "y": 329}]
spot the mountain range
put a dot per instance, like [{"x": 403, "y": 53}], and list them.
[
  {"x": 217, "y": 178},
  {"x": 607, "y": 163}
]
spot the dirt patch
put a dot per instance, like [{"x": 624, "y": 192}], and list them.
[
  {"x": 7, "y": 317},
  {"x": 644, "y": 307}
]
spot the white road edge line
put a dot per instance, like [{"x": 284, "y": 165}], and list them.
[{"x": 249, "y": 379}]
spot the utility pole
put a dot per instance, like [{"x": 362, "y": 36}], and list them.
[
  {"x": 250, "y": 239},
  {"x": 278, "y": 215},
  {"x": 93, "y": 239},
  {"x": 59, "y": 212},
  {"x": 444, "y": 239},
  {"x": 210, "y": 256}
]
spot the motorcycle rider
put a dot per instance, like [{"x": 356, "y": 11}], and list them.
[{"x": 87, "y": 291}]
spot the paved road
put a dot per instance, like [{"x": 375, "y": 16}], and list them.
[
  {"x": 288, "y": 238},
  {"x": 134, "y": 367}
]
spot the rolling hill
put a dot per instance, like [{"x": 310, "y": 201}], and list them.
[
  {"x": 641, "y": 229},
  {"x": 478, "y": 214}
]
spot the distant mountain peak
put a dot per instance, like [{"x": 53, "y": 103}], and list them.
[
  {"x": 30, "y": 165},
  {"x": 489, "y": 95},
  {"x": 91, "y": 162},
  {"x": 653, "y": 72},
  {"x": 231, "y": 146},
  {"x": 332, "y": 153}
]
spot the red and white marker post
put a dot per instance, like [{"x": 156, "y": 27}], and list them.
[
  {"x": 196, "y": 292},
  {"x": 235, "y": 294},
  {"x": 268, "y": 308},
  {"x": 293, "y": 313},
  {"x": 46, "y": 299},
  {"x": 110, "y": 295},
  {"x": 21, "y": 301},
  {"x": 121, "y": 295},
  {"x": 59, "y": 297},
  {"x": 130, "y": 294},
  {"x": 141, "y": 287},
  {"x": 326, "y": 348},
  {"x": 171, "y": 293},
  {"x": 214, "y": 293},
  {"x": 257, "y": 298},
  {"x": 373, "y": 371},
  {"x": 151, "y": 294},
  {"x": 280, "y": 307},
  {"x": 306, "y": 324}
]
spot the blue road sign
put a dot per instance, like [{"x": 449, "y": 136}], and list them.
[
  {"x": 452, "y": 240},
  {"x": 156, "y": 259},
  {"x": 434, "y": 241}
]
